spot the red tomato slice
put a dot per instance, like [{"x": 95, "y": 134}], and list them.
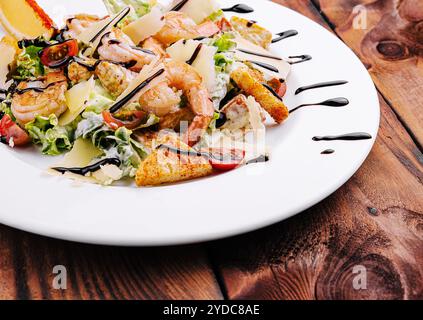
[
  {"x": 10, "y": 130},
  {"x": 57, "y": 55},
  {"x": 115, "y": 124},
  {"x": 226, "y": 159}
]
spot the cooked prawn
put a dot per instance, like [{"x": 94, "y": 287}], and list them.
[
  {"x": 155, "y": 46},
  {"x": 179, "y": 26},
  {"x": 118, "y": 47},
  {"x": 165, "y": 98},
  {"x": 47, "y": 97},
  {"x": 113, "y": 77},
  {"x": 79, "y": 23}
]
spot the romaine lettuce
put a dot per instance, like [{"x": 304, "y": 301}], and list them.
[
  {"x": 28, "y": 64},
  {"x": 53, "y": 138}
]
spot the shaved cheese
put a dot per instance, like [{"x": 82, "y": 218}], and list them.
[
  {"x": 203, "y": 64},
  {"x": 81, "y": 155},
  {"x": 199, "y": 10},
  {"x": 145, "y": 73},
  {"x": 283, "y": 66},
  {"x": 107, "y": 174},
  {"x": 93, "y": 35},
  {"x": 255, "y": 114},
  {"x": 146, "y": 26},
  {"x": 76, "y": 100},
  {"x": 8, "y": 53}
]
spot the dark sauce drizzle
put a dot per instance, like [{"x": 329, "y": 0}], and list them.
[
  {"x": 179, "y": 6},
  {"x": 335, "y": 103},
  {"x": 345, "y": 137},
  {"x": 125, "y": 13},
  {"x": 273, "y": 92},
  {"x": 321, "y": 85},
  {"x": 261, "y": 159},
  {"x": 39, "y": 90},
  {"x": 251, "y": 23},
  {"x": 195, "y": 54},
  {"x": 91, "y": 168},
  {"x": 264, "y": 65},
  {"x": 239, "y": 8},
  {"x": 125, "y": 100},
  {"x": 302, "y": 58},
  {"x": 328, "y": 151},
  {"x": 284, "y": 35},
  {"x": 260, "y": 54},
  {"x": 89, "y": 67}
]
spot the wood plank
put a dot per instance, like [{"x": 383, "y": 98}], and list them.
[
  {"x": 375, "y": 221},
  {"x": 388, "y": 36},
  {"x": 94, "y": 272}
]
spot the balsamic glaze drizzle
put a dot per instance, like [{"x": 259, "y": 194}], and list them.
[
  {"x": 273, "y": 92},
  {"x": 328, "y": 151},
  {"x": 335, "y": 103},
  {"x": 260, "y": 159},
  {"x": 260, "y": 54},
  {"x": 195, "y": 54},
  {"x": 37, "y": 89},
  {"x": 284, "y": 35},
  {"x": 179, "y": 6},
  {"x": 321, "y": 85},
  {"x": 345, "y": 137},
  {"x": 264, "y": 65},
  {"x": 91, "y": 168},
  {"x": 125, "y": 100},
  {"x": 239, "y": 8},
  {"x": 124, "y": 12},
  {"x": 303, "y": 58},
  {"x": 82, "y": 63}
]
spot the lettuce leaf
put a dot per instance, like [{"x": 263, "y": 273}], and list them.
[
  {"x": 28, "y": 64},
  {"x": 115, "y": 144},
  {"x": 225, "y": 42},
  {"x": 140, "y": 8},
  {"x": 53, "y": 138}
]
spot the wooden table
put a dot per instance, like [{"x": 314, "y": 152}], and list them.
[{"x": 374, "y": 221}]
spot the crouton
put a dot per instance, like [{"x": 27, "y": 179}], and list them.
[
  {"x": 264, "y": 96},
  {"x": 252, "y": 32},
  {"x": 165, "y": 166}
]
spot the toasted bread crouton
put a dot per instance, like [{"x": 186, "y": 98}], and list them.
[
  {"x": 173, "y": 120},
  {"x": 252, "y": 32},
  {"x": 265, "y": 97},
  {"x": 166, "y": 166}
]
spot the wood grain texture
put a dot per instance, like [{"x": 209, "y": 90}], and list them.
[
  {"x": 375, "y": 221},
  {"x": 388, "y": 36},
  {"x": 93, "y": 272}
]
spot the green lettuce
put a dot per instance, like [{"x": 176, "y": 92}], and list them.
[
  {"x": 141, "y": 8},
  {"x": 225, "y": 42},
  {"x": 28, "y": 64},
  {"x": 115, "y": 144},
  {"x": 216, "y": 16},
  {"x": 54, "y": 139},
  {"x": 100, "y": 100}
]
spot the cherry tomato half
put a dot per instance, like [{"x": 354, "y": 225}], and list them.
[
  {"x": 115, "y": 124},
  {"x": 10, "y": 130},
  {"x": 226, "y": 159},
  {"x": 57, "y": 55}
]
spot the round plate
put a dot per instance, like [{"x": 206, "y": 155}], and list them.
[{"x": 296, "y": 178}]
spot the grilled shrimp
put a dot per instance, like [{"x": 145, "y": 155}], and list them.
[
  {"x": 179, "y": 26},
  {"x": 114, "y": 77},
  {"x": 79, "y": 23},
  {"x": 165, "y": 98},
  {"x": 118, "y": 47},
  {"x": 40, "y": 98},
  {"x": 155, "y": 46}
]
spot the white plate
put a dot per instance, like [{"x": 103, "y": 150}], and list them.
[{"x": 296, "y": 178}]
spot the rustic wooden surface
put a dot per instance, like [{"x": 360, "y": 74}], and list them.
[{"x": 375, "y": 220}]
